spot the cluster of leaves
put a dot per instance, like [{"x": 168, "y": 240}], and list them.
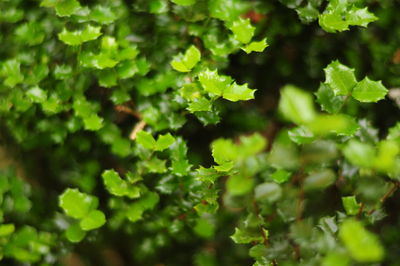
[{"x": 110, "y": 102}]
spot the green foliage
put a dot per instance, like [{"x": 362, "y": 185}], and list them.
[{"x": 169, "y": 135}]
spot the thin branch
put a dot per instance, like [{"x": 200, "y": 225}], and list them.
[
  {"x": 127, "y": 110},
  {"x": 139, "y": 126}
]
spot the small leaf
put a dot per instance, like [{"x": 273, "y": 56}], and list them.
[
  {"x": 36, "y": 94},
  {"x": 78, "y": 37},
  {"x": 281, "y": 176},
  {"x": 360, "y": 17},
  {"x": 369, "y": 91},
  {"x": 200, "y": 104},
  {"x": 164, "y": 141},
  {"x": 75, "y": 203},
  {"x": 340, "y": 78},
  {"x": 243, "y": 237},
  {"x": 64, "y": 8},
  {"x": 350, "y": 205},
  {"x": 242, "y": 30},
  {"x": 328, "y": 100},
  {"x": 93, "y": 220},
  {"x": 256, "y": 46},
  {"x": 214, "y": 83},
  {"x": 237, "y": 92},
  {"x": 75, "y": 233},
  {"x": 185, "y": 63},
  {"x": 223, "y": 150},
  {"x": 296, "y": 105},
  {"x": 359, "y": 154},
  {"x": 362, "y": 245},
  {"x": 145, "y": 139}
]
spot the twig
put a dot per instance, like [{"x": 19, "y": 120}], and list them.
[
  {"x": 139, "y": 126},
  {"x": 127, "y": 110},
  {"x": 393, "y": 189}
]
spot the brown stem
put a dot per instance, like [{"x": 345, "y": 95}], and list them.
[
  {"x": 360, "y": 210},
  {"x": 139, "y": 126},
  {"x": 127, "y": 110},
  {"x": 393, "y": 189}
]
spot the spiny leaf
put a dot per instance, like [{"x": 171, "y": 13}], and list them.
[
  {"x": 185, "y": 63},
  {"x": 369, "y": 91},
  {"x": 340, "y": 78}
]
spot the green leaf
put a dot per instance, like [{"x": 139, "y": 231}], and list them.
[
  {"x": 332, "y": 21},
  {"x": 74, "y": 233},
  {"x": 227, "y": 10},
  {"x": 267, "y": 191},
  {"x": 184, "y": 2},
  {"x": 102, "y": 14},
  {"x": 223, "y": 150},
  {"x": 256, "y": 46},
  {"x": 64, "y": 8},
  {"x": 319, "y": 179},
  {"x": 146, "y": 140},
  {"x": 296, "y": 105},
  {"x": 185, "y": 63},
  {"x": 93, "y": 220},
  {"x": 243, "y": 237},
  {"x": 6, "y": 229},
  {"x": 360, "y": 17},
  {"x": 362, "y": 245},
  {"x": 242, "y": 30},
  {"x": 281, "y": 176},
  {"x": 350, "y": 205},
  {"x": 339, "y": 124},
  {"x": 328, "y": 100},
  {"x": 36, "y": 94},
  {"x": 334, "y": 259},
  {"x": 119, "y": 187},
  {"x": 369, "y": 91},
  {"x": 78, "y": 37},
  {"x": 301, "y": 135},
  {"x": 204, "y": 228},
  {"x": 359, "y": 154},
  {"x": 75, "y": 203},
  {"x": 11, "y": 70},
  {"x": 214, "y": 83},
  {"x": 237, "y": 92},
  {"x": 199, "y": 104},
  {"x": 340, "y": 78},
  {"x": 155, "y": 165},
  {"x": 93, "y": 122},
  {"x": 164, "y": 142}
]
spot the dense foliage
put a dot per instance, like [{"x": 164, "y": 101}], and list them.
[{"x": 199, "y": 132}]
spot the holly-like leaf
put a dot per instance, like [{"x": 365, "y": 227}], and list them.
[
  {"x": 256, "y": 46},
  {"x": 369, "y": 91},
  {"x": 340, "y": 78},
  {"x": 242, "y": 30},
  {"x": 93, "y": 220},
  {"x": 200, "y": 104},
  {"x": 281, "y": 176},
  {"x": 64, "y": 8},
  {"x": 185, "y": 63},
  {"x": 296, "y": 105},
  {"x": 164, "y": 142},
  {"x": 11, "y": 70},
  {"x": 145, "y": 139},
  {"x": 328, "y": 100},
  {"x": 236, "y": 92},
  {"x": 243, "y": 237},
  {"x": 78, "y": 37},
  {"x": 214, "y": 83},
  {"x": 119, "y": 187},
  {"x": 362, "y": 245}
]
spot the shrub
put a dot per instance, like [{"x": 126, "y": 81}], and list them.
[{"x": 199, "y": 132}]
